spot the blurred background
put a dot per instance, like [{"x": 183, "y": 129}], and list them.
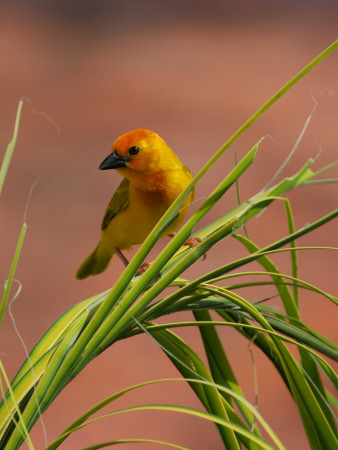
[{"x": 193, "y": 71}]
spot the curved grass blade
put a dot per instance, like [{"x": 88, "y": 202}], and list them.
[
  {"x": 15, "y": 415},
  {"x": 83, "y": 420},
  {"x": 134, "y": 441},
  {"x": 10, "y": 148},
  {"x": 193, "y": 412}
]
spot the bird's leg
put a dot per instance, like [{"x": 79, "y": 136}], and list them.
[
  {"x": 143, "y": 267},
  {"x": 121, "y": 256}
]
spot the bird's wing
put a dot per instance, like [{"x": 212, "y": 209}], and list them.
[{"x": 119, "y": 202}]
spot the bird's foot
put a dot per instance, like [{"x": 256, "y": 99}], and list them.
[
  {"x": 193, "y": 242},
  {"x": 143, "y": 267}
]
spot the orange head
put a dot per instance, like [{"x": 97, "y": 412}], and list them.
[{"x": 141, "y": 151}]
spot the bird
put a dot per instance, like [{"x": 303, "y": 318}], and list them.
[{"x": 153, "y": 177}]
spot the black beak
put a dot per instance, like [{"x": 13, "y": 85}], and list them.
[{"x": 113, "y": 161}]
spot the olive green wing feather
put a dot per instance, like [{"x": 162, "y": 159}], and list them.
[{"x": 119, "y": 202}]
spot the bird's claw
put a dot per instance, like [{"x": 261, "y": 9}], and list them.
[
  {"x": 190, "y": 242},
  {"x": 193, "y": 242},
  {"x": 143, "y": 267}
]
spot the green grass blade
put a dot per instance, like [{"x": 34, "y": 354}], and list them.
[
  {"x": 37, "y": 404},
  {"x": 83, "y": 420},
  {"x": 197, "y": 413},
  {"x": 10, "y": 279},
  {"x": 220, "y": 367},
  {"x": 181, "y": 354},
  {"x": 134, "y": 441},
  {"x": 16, "y": 414},
  {"x": 10, "y": 148},
  {"x": 289, "y": 303},
  {"x": 293, "y": 254}
]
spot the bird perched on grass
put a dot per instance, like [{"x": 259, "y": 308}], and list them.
[{"x": 153, "y": 178}]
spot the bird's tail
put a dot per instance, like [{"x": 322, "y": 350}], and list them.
[{"x": 96, "y": 262}]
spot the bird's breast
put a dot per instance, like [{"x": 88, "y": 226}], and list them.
[
  {"x": 148, "y": 201},
  {"x": 163, "y": 186}
]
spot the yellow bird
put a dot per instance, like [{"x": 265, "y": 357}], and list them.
[{"x": 153, "y": 178}]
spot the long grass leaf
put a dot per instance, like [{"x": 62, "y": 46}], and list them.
[
  {"x": 219, "y": 364},
  {"x": 11, "y": 275},
  {"x": 16, "y": 414},
  {"x": 10, "y": 148}
]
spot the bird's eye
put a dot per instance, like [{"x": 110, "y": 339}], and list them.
[{"x": 133, "y": 151}]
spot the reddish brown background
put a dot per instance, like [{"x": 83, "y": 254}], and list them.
[{"x": 194, "y": 72}]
